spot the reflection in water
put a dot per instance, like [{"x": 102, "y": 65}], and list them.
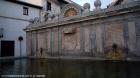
[{"x": 71, "y": 68}]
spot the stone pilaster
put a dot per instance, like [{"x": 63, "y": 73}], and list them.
[
  {"x": 28, "y": 43},
  {"x": 99, "y": 39},
  {"x": 48, "y": 40},
  {"x": 34, "y": 43},
  {"x": 59, "y": 41},
  {"x": 93, "y": 40},
  {"x": 82, "y": 39},
  {"x": 132, "y": 36}
]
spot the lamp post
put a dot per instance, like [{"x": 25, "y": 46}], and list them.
[{"x": 20, "y": 38}]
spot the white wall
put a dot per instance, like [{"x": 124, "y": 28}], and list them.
[
  {"x": 36, "y": 2},
  {"x": 13, "y": 26},
  {"x": 15, "y": 10},
  {"x": 55, "y": 7},
  {"x": 12, "y": 30}
]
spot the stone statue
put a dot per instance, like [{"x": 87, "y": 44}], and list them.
[
  {"x": 86, "y": 8},
  {"x": 49, "y": 16},
  {"x": 35, "y": 20}
]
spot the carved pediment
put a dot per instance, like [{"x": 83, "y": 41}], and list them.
[{"x": 71, "y": 10}]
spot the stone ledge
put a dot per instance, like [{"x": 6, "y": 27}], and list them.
[
  {"x": 13, "y": 58},
  {"x": 129, "y": 59}
]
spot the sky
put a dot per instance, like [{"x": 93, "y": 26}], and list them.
[{"x": 81, "y": 2}]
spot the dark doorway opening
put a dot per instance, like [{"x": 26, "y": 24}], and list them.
[{"x": 7, "y": 48}]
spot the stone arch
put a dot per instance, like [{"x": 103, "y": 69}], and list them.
[{"x": 71, "y": 9}]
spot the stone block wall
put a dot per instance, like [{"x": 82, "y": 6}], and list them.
[{"x": 89, "y": 36}]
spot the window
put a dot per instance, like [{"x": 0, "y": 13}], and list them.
[
  {"x": 48, "y": 6},
  {"x": 25, "y": 10}
]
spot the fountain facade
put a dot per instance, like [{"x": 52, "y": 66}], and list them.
[{"x": 78, "y": 32}]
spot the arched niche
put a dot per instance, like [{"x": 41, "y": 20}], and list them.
[{"x": 71, "y": 9}]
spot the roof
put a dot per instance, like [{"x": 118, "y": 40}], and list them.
[
  {"x": 69, "y": 1},
  {"x": 24, "y": 3},
  {"x": 115, "y": 3},
  {"x": 62, "y": 1},
  {"x": 118, "y": 2}
]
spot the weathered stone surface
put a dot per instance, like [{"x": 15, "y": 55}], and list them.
[
  {"x": 55, "y": 38},
  {"x": 132, "y": 36},
  {"x": 91, "y": 35},
  {"x": 34, "y": 43},
  {"x": 28, "y": 42},
  {"x": 70, "y": 41},
  {"x": 137, "y": 52},
  {"x": 87, "y": 39},
  {"x": 41, "y": 51},
  {"x": 99, "y": 39},
  {"x": 48, "y": 41},
  {"x": 114, "y": 34}
]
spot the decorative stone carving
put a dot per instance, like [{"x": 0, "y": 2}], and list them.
[
  {"x": 56, "y": 16},
  {"x": 89, "y": 36},
  {"x": 70, "y": 12},
  {"x": 44, "y": 16},
  {"x": 86, "y": 7},
  {"x": 97, "y": 4},
  {"x": 49, "y": 15},
  {"x": 35, "y": 20},
  {"x": 71, "y": 9},
  {"x": 70, "y": 39}
]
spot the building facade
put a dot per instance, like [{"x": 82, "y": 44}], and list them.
[
  {"x": 14, "y": 17},
  {"x": 110, "y": 33}
]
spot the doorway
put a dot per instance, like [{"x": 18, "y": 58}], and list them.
[{"x": 7, "y": 48}]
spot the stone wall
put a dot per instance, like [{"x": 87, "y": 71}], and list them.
[{"x": 91, "y": 35}]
